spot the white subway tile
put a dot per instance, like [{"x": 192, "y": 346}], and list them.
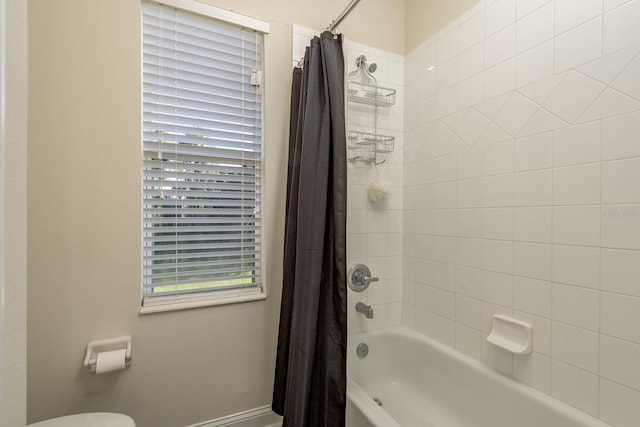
[
  {"x": 444, "y": 222},
  {"x": 571, "y": 13},
  {"x": 533, "y": 224},
  {"x": 619, "y": 271},
  {"x": 612, "y": 4},
  {"x": 524, "y": 7},
  {"x": 447, "y": 74},
  {"x": 447, "y": 46},
  {"x": 499, "y": 46},
  {"x": 469, "y": 223},
  {"x": 534, "y": 28},
  {"x": 534, "y": 64},
  {"x": 532, "y": 260},
  {"x": 577, "y": 185},
  {"x": 469, "y": 341},
  {"x": 575, "y": 346},
  {"x": 446, "y": 168},
  {"x": 445, "y": 276},
  {"x": 577, "y": 144},
  {"x": 534, "y": 371},
  {"x": 469, "y": 282},
  {"x": 470, "y": 164},
  {"x": 576, "y": 306},
  {"x": 498, "y": 158},
  {"x": 445, "y": 195},
  {"x": 497, "y": 288},
  {"x": 470, "y": 62},
  {"x": 576, "y": 225},
  {"x": 621, "y": 27},
  {"x": 447, "y": 101},
  {"x": 471, "y": 32},
  {"x": 499, "y": 79},
  {"x": 444, "y": 303},
  {"x": 621, "y": 226},
  {"x": 620, "y": 181},
  {"x": 533, "y": 188},
  {"x": 534, "y": 152},
  {"x": 497, "y": 190},
  {"x": 469, "y": 252},
  {"x": 542, "y": 328},
  {"x": 498, "y": 14},
  {"x": 532, "y": 296},
  {"x": 619, "y": 405},
  {"x": 471, "y": 91},
  {"x": 445, "y": 249},
  {"x": 469, "y": 311},
  {"x": 574, "y": 386},
  {"x": 619, "y": 361},
  {"x": 444, "y": 330},
  {"x": 423, "y": 321},
  {"x": 470, "y": 193},
  {"x": 578, "y": 45},
  {"x": 620, "y": 316},
  {"x": 497, "y": 223},
  {"x": 576, "y": 265},
  {"x": 620, "y": 136}
]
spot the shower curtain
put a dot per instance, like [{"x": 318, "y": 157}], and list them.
[{"x": 310, "y": 374}]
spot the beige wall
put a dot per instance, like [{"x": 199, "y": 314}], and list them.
[
  {"x": 84, "y": 219},
  {"x": 13, "y": 209},
  {"x": 424, "y": 18}
]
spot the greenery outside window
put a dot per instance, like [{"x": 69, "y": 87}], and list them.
[{"x": 202, "y": 142}]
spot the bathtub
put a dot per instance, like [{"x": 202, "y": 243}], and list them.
[{"x": 418, "y": 382}]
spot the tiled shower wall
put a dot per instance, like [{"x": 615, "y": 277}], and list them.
[
  {"x": 522, "y": 193},
  {"x": 374, "y": 230}
]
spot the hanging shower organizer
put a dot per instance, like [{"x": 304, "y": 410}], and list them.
[{"x": 362, "y": 88}]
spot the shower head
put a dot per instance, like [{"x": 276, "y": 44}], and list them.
[{"x": 361, "y": 61}]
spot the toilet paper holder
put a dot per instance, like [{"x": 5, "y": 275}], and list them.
[{"x": 111, "y": 344}]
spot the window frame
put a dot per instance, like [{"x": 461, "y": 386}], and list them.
[{"x": 207, "y": 297}]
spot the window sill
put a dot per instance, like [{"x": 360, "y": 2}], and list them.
[{"x": 185, "y": 305}]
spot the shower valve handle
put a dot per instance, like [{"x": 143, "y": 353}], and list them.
[{"x": 359, "y": 277}]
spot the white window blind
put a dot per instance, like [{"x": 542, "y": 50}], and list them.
[{"x": 202, "y": 157}]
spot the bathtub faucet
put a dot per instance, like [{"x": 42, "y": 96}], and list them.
[{"x": 365, "y": 309}]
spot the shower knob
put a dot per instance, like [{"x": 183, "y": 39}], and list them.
[{"x": 359, "y": 277}]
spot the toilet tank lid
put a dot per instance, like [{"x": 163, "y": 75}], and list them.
[{"x": 91, "y": 419}]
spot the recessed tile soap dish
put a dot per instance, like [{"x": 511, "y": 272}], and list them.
[{"x": 511, "y": 334}]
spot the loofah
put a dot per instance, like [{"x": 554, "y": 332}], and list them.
[{"x": 379, "y": 191}]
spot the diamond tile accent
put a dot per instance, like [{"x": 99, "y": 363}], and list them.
[
  {"x": 542, "y": 121},
  {"x": 539, "y": 91},
  {"x": 609, "y": 104},
  {"x": 491, "y": 107},
  {"x": 472, "y": 127},
  {"x": 573, "y": 96},
  {"x": 454, "y": 120},
  {"x": 628, "y": 82},
  {"x": 515, "y": 113},
  {"x": 607, "y": 68},
  {"x": 492, "y": 135}
]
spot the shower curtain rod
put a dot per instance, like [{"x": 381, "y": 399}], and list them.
[{"x": 343, "y": 15}]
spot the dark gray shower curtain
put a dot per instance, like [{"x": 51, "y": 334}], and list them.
[{"x": 310, "y": 375}]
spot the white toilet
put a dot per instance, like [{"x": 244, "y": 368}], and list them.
[{"x": 91, "y": 419}]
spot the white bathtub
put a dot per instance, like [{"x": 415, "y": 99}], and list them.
[{"x": 422, "y": 383}]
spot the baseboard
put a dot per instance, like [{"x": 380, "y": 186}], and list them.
[{"x": 257, "y": 417}]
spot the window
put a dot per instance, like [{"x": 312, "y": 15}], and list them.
[{"x": 202, "y": 156}]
